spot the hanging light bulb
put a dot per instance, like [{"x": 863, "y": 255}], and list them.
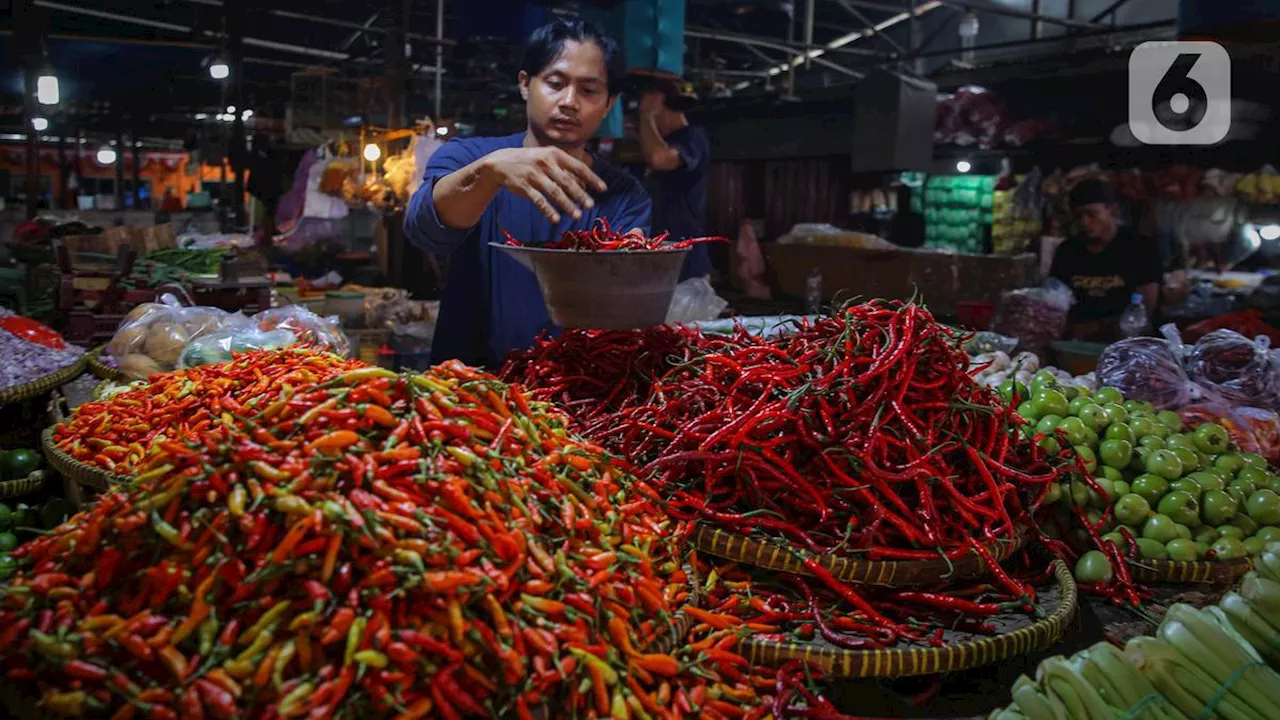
[
  {"x": 218, "y": 69},
  {"x": 39, "y": 124},
  {"x": 106, "y": 155},
  {"x": 963, "y": 166},
  {"x": 372, "y": 152},
  {"x": 47, "y": 86}
]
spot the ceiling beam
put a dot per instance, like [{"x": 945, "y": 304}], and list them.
[
  {"x": 768, "y": 42},
  {"x": 866, "y": 21},
  {"x": 984, "y": 6},
  {"x": 1111, "y": 10},
  {"x": 846, "y": 39},
  {"x": 360, "y": 28},
  {"x": 753, "y": 44}
]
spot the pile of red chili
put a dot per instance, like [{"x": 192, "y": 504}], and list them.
[
  {"x": 858, "y": 433},
  {"x": 341, "y": 541},
  {"x": 602, "y": 237}
]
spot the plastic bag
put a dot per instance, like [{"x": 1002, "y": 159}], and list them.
[
  {"x": 748, "y": 263},
  {"x": 308, "y": 327},
  {"x": 1147, "y": 368},
  {"x": 985, "y": 341},
  {"x": 1036, "y": 316},
  {"x": 152, "y": 336},
  {"x": 1241, "y": 371},
  {"x": 1252, "y": 429},
  {"x": 695, "y": 300},
  {"x": 221, "y": 345}
]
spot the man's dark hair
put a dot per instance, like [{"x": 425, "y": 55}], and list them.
[
  {"x": 547, "y": 42},
  {"x": 1089, "y": 191}
]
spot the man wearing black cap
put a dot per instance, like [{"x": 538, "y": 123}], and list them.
[
  {"x": 1104, "y": 264},
  {"x": 678, "y": 157}
]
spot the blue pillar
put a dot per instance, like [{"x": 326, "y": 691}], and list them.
[{"x": 651, "y": 33}]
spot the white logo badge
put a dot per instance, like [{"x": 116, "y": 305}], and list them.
[{"x": 1179, "y": 93}]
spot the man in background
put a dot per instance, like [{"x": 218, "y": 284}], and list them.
[{"x": 677, "y": 155}]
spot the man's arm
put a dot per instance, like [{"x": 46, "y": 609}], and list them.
[{"x": 658, "y": 155}]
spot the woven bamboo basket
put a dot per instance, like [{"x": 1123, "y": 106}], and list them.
[
  {"x": 962, "y": 651},
  {"x": 74, "y": 470},
  {"x": 22, "y": 486},
  {"x": 44, "y": 385},
  {"x": 896, "y": 574},
  {"x": 1204, "y": 572},
  {"x": 101, "y": 369}
]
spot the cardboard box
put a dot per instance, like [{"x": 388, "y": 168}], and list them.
[{"x": 939, "y": 279}]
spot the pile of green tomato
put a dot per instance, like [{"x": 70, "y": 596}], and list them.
[{"x": 1184, "y": 493}]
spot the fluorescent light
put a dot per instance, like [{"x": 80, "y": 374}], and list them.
[
  {"x": 246, "y": 114},
  {"x": 39, "y": 124},
  {"x": 372, "y": 152},
  {"x": 963, "y": 166},
  {"x": 231, "y": 108},
  {"x": 47, "y": 88},
  {"x": 106, "y": 155},
  {"x": 202, "y": 116},
  {"x": 1269, "y": 232},
  {"x": 219, "y": 70}
]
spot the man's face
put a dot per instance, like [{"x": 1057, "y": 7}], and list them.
[
  {"x": 569, "y": 99},
  {"x": 1098, "y": 220}
]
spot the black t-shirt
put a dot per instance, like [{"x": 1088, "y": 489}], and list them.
[{"x": 1103, "y": 281}]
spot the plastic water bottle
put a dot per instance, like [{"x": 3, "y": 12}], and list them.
[
  {"x": 1133, "y": 321},
  {"x": 813, "y": 292}
]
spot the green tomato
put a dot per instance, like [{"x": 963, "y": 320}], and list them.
[
  {"x": 1181, "y": 550},
  {"x": 1119, "y": 431},
  {"x": 1254, "y": 460},
  {"x": 1211, "y": 438},
  {"x": 1106, "y": 486},
  {"x": 1160, "y": 528},
  {"x": 1043, "y": 379},
  {"x": 1245, "y": 486},
  {"x": 1178, "y": 440},
  {"x": 1115, "y": 413},
  {"x": 1013, "y": 390},
  {"x": 1165, "y": 463},
  {"x": 1074, "y": 406},
  {"x": 1151, "y": 487},
  {"x": 1048, "y": 424},
  {"x": 1247, "y": 525},
  {"x": 1095, "y": 518},
  {"x": 1207, "y": 480},
  {"x": 1264, "y": 507},
  {"x": 1170, "y": 419},
  {"x": 1079, "y": 494},
  {"x": 1259, "y": 478},
  {"x": 1229, "y": 463},
  {"x": 1053, "y": 494},
  {"x": 1202, "y": 548},
  {"x": 1132, "y": 509},
  {"x": 1253, "y": 546},
  {"x": 1122, "y": 486},
  {"x": 1217, "y": 507},
  {"x": 1051, "y": 401},
  {"x": 1115, "y": 538},
  {"x": 1190, "y": 461},
  {"x": 1112, "y": 474},
  {"x": 1094, "y": 567},
  {"x": 1132, "y": 405},
  {"x": 1231, "y": 531},
  {"x": 1140, "y": 455},
  {"x": 1269, "y": 533},
  {"x": 1184, "y": 532},
  {"x": 6, "y": 517},
  {"x": 8, "y": 542},
  {"x": 1186, "y": 485},
  {"x": 1142, "y": 426},
  {"x": 1094, "y": 417},
  {"x": 1228, "y": 548},
  {"x": 1206, "y": 534},
  {"x": 1161, "y": 431},
  {"x": 1088, "y": 457},
  {"x": 9, "y": 566},
  {"x": 1108, "y": 395},
  {"x": 1028, "y": 410},
  {"x": 1049, "y": 444},
  {"x": 1073, "y": 430},
  {"x": 1153, "y": 549},
  {"x": 1116, "y": 453},
  {"x": 1151, "y": 442},
  {"x": 1181, "y": 507}
]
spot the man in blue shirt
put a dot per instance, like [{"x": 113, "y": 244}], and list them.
[
  {"x": 536, "y": 185},
  {"x": 678, "y": 156}
]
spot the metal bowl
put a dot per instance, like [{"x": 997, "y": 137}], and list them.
[{"x": 606, "y": 289}]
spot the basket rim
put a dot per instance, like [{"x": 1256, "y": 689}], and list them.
[
  {"x": 563, "y": 251},
  {"x": 43, "y": 385},
  {"x": 883, "y": 573},
  {"x": 98, "y": 368},
  {"x": 910, "y": 661},
  {"x": 1197, "y": 572},
  {"x": 74, "y": 469}
]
